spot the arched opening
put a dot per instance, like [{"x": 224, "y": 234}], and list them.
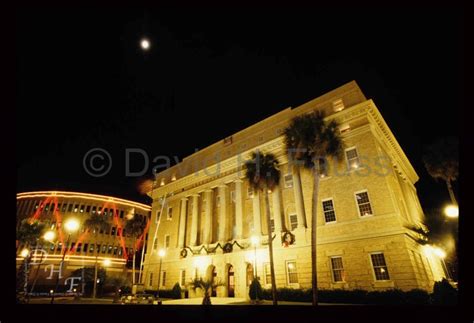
[
  {"x": 250, "y": 274},
  {"x": 230, "y": 282},
  {"x": 212, "y": 276}
]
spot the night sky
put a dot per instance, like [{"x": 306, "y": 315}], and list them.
[{"x": 83, "y": 82}]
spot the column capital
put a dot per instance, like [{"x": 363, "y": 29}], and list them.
[
  {"x": 238, "y": 180},
  {"x": 183, "y": 199},
  {"x": 195, "y": 195},
  {"x": 222, "y": 185}
]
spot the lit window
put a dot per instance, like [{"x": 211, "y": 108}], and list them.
[
  {"x": 115, "y": 250},
  {"x": 46, "y": 208},
  {"x": 120, "y": 251},
  {"x": 36, "y": 205},
  {"x": 288, "y": 180},
  {"x": 170, "y": 213},
  {"x": 76, "y": 208},
  {"x": 379, "y": 265},
  {"x": 167, "y": 241},
  {"x": 291, "y": 273},
  {"x": 338, "y": 105},
  {"x": 363, "y": 203},
  {"x": 293, "y": 221},
  {"x": 91, "y": 248},
  {"x": 267, "y": 274},
  {"x": 163, "y": 279},
  {"x": 337, "y": 269},
  {"x": 352, "y": 158},
  {"x": 104, "y": 248},
  {"x": 94, "y": 209},
  {"x": 328, "y": 209},
  {"x": 81, "y": 209},
  {"x": 182, "y": 279},
  {"x": 110, "y": 249}
]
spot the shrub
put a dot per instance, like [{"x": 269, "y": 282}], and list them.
[
  {"x": 176, "y": 291},
  {"x": 444, "y": 293},
  {"x": 255, "y": 290}
]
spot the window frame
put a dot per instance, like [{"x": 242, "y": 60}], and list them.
[
  {"x": 333, "y": 210},
  {"x": 287, "y": 273},
  {"x": 167, "y": 242},
  {"x": 357, "y": 204},
  {"x": 373, "y": 267},
  {"x": 347, "y": 159},
  {"x": 289, "y": 221},
  {"x": 181, "y": 276},
  {"x": 342, "y": 270},
  {"x": 285, "y": 183},
  {"x": 168, "y": 213}
]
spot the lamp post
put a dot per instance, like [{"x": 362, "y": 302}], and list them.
[
  {"x": 71, "y": 226},
  {"x": 255, "y": 241},
  {"x": 105, "y": 263},
  {"x": 161, "y": 254},
  {"x": 48, "y": 236},
  {"x": 451, "y": 211}
]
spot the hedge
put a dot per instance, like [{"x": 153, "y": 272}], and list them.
[{"x": 443, "y": 294}]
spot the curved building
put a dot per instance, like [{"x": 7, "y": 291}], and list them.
[{"x": 82, "y": 248}]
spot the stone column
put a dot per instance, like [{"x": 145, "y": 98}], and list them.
[
  {"x": 182, "y": 223},
  {"x": 257, "y": 223},
  {"x": 276, "y": 201},
  {"x": 222, "y": 233},
  {"x": 298, "y": 198},
  {"x": 238, "y": 209},
  {"x": 194, "y": 220},
  {"x": 207, "y": 230}
]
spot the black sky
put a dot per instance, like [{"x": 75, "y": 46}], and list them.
[{"x": 83, "y": 82}]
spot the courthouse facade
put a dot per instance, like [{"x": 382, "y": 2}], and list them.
[{"x": 366, "y": 202}]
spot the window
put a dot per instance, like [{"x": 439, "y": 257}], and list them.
[
  {"x": 232, "y": 196},
  {"x": 291, "y": 273},
  {"x": 150, "y": 281},
  {"x": 72, "y": 246},
  {"x": 344, "y": 128},
  {"x": 167, "y": 241},
  {"x": 293, "y": 221},
  {"x": 267, "y": 274},
  {"x": 46, "y": 208},
  {"x": 120, "y": 251},
  {"x": 328, "y": 209},
  {"x": 379, "y": 265},
  {"x": 81, "y": 209},
  {"x": 338, "y": 105},
  {"x": 91, "y": 248},
  {"x": 227, "y": 141},
  {"x": 363, "y": 203},
  {"x": 338, "y": 274},
  {"x": 352, "y": 158},
  {"x": 163, "y": 279},
  {"x": 170, "y": 213},
  {"x": 182, "y": 277},
  {"x": 155, "y": 244},
  {"x": 79, "y": 245},
  {"x": 106, "y": 211},
  {"x": 250, "y": 192},
  {"x": 110, "y": 249},
  {"x": 158, "y": 214},
  {"x": 250, "y": 273},
  {"x": 99, "y": 210},
  {"x": 115, "y": 250},
  {"x": 76, "y": 208},
  {"x": 121, "y": 214},
  {"x": 104, "y": 248},
  {"x": 94, "y": 210},
  {"x": 69, "y": 209},
  {"x": 64, "y": 207},
  {"x": 36, "y": 205},
  {"x": 288, "y": 180},
  {"x": 113, "y": 231},
  {"x": 86, "y": 245},
  {"x": 272, "y": 225},
  {"x": 88, "y": 209}
]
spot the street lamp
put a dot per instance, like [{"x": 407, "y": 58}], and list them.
[
  {"x": 106, "y": 263},
  {"x": 24, "y": 253},
  {"x": 161, "y": 254},
  {"x": 71, "y": 225},
  {"x": 451, "y": 211},
  {"x": 145, "y": 44},
  {"x": 255, "y": 241}
]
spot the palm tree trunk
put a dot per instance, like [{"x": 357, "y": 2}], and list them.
[
  {"x": 313, "y": 236},
  {"x": 270, "y": 248},
  {"x": 451, "y": 192}
]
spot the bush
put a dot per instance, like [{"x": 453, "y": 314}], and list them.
[
  {"x": 176, "y": 291},
  {"x": 444, "y": 293},
  {"x": 255, "y": 290},
  {"x": 356, "y": 296}
]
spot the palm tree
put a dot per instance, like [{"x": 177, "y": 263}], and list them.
[
  {"x": 135, "y": 228},
  {"x": 206, "y": 286},
  {"x": 95, "y": 223},
  {"x": 263, "y": 174},
  {"x": 309, "y": 141},
  {"x": 441, "y": 162}
]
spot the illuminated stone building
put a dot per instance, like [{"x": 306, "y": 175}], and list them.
[
  {"x": 367, "y": 202},
  {"x": 54, "y": 208}
]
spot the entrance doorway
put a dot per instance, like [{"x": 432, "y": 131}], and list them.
[
  {"x": 213, "y": 280},
  {"x": 230, "y": 282}
]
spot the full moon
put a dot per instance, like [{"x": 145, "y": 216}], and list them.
[{"x": 145, "y": 44}]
